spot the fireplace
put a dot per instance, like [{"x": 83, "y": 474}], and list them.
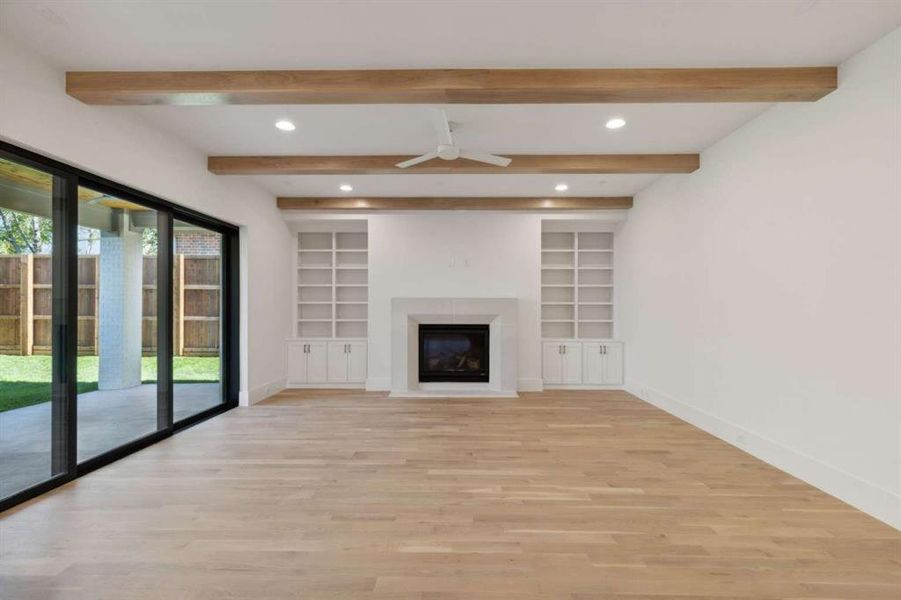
[{"x": 453, "y": 353}]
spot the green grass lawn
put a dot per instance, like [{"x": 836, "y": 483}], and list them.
[{"x": 25, "y": 380}]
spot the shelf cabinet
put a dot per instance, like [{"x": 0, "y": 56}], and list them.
[
  {"x": 577, "y": 284},
  {"x": 332, "y": 284},
  {"x": 326, "y": 362},
  {"x": 346, "y": 362},
  {"x": 562, "y": 362},
  {"x": 603, "y": 363},
  {"x": 307, "y": 362},
  {"x": 586, "y": 363}
]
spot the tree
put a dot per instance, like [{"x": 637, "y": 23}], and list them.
[
  {"x": 151, "y": 241},
  {"x": 21, "y": 233}
]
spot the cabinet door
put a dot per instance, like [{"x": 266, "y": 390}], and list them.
[
  {"x": 337, "y": 362},
  {"x": 316, "y": 362},
  {"x": 297, "y": 363},
  {"x": 572, "y": 363},
  {"x": 613, "y": 363},
  {"x": 592, "y": 363},
  {"x": 551, "y": 362},
  {"x": 356, "y": 362}
]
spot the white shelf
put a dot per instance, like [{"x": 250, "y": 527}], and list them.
[
  {"x": 577, "y": 284},
  {"x": 332, "y": 272}
]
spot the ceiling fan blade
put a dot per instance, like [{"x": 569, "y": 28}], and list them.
[
  {"x": 491, "y": 159},
  {"x": 442, "y": 128},
  {"x": 417, "y": 160}
]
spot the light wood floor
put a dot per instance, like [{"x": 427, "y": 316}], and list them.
[{"x": 560, "y": 495}]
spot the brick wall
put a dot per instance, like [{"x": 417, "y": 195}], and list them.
[{"x": 198, "y": 243}]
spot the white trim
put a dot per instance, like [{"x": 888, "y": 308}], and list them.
[
  {"x": 326, "y": 386},
  {"x": 876, "y": 501},
  {"x": 378, "y": 384},
  {"x": 529, "y": 384},
  {"x": 581, "y": 386},
  {"x": 453, "y": 393},
  {"x": 261, "y": 392}
]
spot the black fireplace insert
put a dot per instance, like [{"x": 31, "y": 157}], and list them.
[{"x": 453, "y": 353}]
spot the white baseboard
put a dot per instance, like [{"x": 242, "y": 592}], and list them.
[
  {"x": 581, "y": 386},
  {"x": 261, "y": 392},
  {"x": 325, "y": 386},
  {"x": 378, "y": 384},
  {"x": 524, "y": 384},
  {"x": 871, "y": 499},
  {"x": 453, "y": 394},
  {"x": 529, "y": 384}
]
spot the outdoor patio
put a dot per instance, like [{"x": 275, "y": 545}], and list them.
[{"x": 106, "y": 419}]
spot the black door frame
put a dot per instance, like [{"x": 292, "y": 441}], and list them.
[{"x": 64, "y": 398}]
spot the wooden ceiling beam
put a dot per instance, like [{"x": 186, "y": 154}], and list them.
[
  {"x": 459, "y": 203},
  {"x": 453, "y": 86},
  {"x": 521, "y": 164}
]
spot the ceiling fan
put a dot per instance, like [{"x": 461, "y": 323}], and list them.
[{"x": 447, "y": 150}]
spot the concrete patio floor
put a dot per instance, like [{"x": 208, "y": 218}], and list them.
[{"x": 106, "y": 419}]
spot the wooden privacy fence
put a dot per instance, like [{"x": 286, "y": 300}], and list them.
[{"x": 26, "y": 304}]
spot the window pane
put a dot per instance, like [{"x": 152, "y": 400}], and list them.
[
  {"x": 26, "y": 303},
  {"x": 197, "y": 292},
  {"x": 117, "y": 332}
]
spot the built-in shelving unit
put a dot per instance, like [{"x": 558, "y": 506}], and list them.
[
  {"x": 577, "y": 284},
  {"x": 332, "y": 284}
]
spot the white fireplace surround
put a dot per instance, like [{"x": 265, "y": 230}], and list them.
[{"x": 500, "y": 314}]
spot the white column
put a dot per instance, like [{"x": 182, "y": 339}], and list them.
[{"x": 121, "y": 273}]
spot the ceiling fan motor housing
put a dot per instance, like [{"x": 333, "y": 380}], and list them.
[{"x": 448, "y": 152}]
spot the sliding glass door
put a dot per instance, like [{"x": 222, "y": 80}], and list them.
[
  {"x": 197, "y": 301},
  {"x": 26, "y": 326},
  {"x": 118, "y": 321}
]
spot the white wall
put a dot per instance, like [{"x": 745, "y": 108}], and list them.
[
  {"x": 459, "y": 255},
  {"x": 36, "y": 113},
  {"x": 760, "y": 297}
]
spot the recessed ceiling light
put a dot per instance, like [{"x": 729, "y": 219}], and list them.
[
  {"x": 346, "y": 187},
  {"x": 616, "y": 123},
  {"x": 561, "y": 187},
  {"x": 285, "y": 125}
]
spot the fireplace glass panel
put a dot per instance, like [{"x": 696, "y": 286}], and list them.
[{"x": 453, "y": 353}]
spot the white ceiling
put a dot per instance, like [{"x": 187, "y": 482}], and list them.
[
  {"x": 200, "y": 34},
  {"x": 407, "y": 129},
  {"x": 204, "y": 34},
  {"x": 453, "y": 185}
]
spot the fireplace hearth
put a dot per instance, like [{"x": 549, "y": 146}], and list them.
[{"x": 453, "y": 353}]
